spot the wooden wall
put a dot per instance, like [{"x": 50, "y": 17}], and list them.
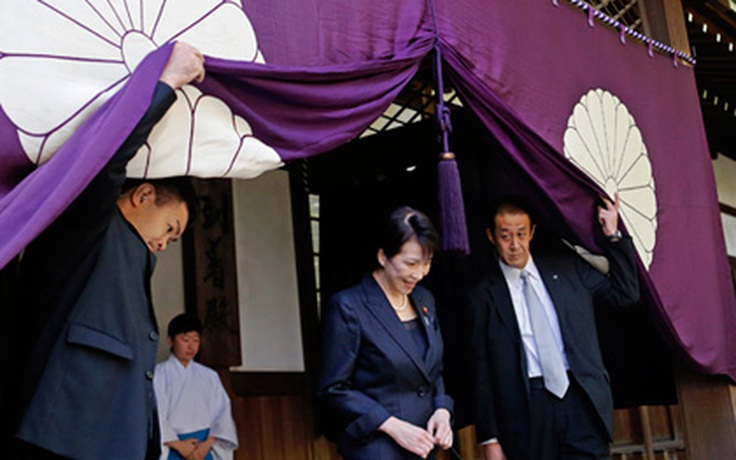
[
  {"x": 649, "y": 432},
  {"x": 274, "y": 427}
]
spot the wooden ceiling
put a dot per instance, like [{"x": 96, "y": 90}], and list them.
[{"x": 711, "y": 30}]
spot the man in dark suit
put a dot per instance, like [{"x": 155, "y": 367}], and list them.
[
  {"x": 83, "y": 372},
  {"x": 541, "y": 389}
]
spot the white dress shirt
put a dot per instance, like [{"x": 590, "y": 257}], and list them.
[
  {"x": 516, "y": 289},
  {"x": 513, "y": 281}
]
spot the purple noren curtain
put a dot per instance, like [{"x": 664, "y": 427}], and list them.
[
  {"x": 543, "y": 101},
  {"x": 538, "y": 76}
]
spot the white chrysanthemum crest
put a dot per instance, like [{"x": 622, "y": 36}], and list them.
[
  {"x": 61, "y": 60},
  {"x": 603, "y": 140}
]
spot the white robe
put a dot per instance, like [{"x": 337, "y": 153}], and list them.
[{"x": 190, "y": 399}]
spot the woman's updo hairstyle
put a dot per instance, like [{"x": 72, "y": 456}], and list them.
[{"x": 403, "y": 224}]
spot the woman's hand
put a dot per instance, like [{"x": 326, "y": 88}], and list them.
[
  {"x": 439, "y": 427},
  {"x": 410, "y": 437}
]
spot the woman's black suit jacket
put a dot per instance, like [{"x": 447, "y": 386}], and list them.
[{"x": 371, "y": 369}]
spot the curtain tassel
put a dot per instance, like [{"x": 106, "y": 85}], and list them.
[
  {"x": 452, "y": 207},
  {"x": 451, "y": 204}
]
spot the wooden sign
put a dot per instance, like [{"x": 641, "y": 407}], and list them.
[{"x": 210, "y": 274}]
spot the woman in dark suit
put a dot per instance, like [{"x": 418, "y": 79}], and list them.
[{"x": 380, "y": 380}]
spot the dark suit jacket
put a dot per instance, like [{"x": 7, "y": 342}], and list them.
[
  {"x": 372, "y": 369},
  {"x": 502, "y": 384},
  {"x": 92, "y": 334}
]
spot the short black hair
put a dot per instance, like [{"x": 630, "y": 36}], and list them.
[
  {"x": 403, "y": 224},
  {"x": 182, "y": 323},
  {"x": 179, "y": 187},
  {"x": 513, "y": 204}
]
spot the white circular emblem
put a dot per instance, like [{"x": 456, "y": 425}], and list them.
[
  {"x": 602, "y": 139},
  {"x": 61, "y": 60}
]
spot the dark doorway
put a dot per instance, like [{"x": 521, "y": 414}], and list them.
[{"x": 364, "y": 180}]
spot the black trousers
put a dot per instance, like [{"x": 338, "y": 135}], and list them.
[{"x": 567, "y": 428}]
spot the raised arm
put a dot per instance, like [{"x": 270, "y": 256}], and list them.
[
  {"x": 621, "y": 286},
  {"x": 98, "y": 200},
  {"x": 608, "y": 215},
  {"x": 185, "y": 64}
]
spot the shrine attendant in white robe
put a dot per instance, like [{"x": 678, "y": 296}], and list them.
[{"x": 193, "y": 408}]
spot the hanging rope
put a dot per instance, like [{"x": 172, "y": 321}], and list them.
[
  {"x": 451, "y": 204},
  {"x": 626, "y": 30}
]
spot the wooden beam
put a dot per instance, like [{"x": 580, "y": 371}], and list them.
[
  {"x": 646, "y": 428},
  {"x": 664, "y": 21}
]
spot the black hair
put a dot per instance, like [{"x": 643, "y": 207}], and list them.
[
  {"x": 180, "y": 188},
  {"x": 510, "y": 204},
  {"x": 183, "y": 323},
  {"x": 403, "y": 224}
]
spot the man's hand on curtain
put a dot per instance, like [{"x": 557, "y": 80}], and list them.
[
  {"x": 608, "y": 216},
  {"x": 185, "y": 64}
]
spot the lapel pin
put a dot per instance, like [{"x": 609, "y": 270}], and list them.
[
  {"x": 554, "y": 277},
  {"x": 426, "y": 315}
]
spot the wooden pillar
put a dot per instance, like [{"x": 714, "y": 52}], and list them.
[
  {"x": 665, "y": 22},
  {"x": 646, "y": 428},
  {"x": 707, "y": 407},
  {"x": 705, "y": 402}
]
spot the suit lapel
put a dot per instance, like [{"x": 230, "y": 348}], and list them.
[
  {"x": 380, "y": 308},
  {"x": 555, "y": 288},
  {"x": 500, "y": 297},
  {"x": 499, "y": 294},
  {"x": 427, "y": 321}
]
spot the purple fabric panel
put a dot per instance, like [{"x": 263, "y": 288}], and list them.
[
  {"x": 42, "y": 195},
  {"x": 525, "y": 90},
  {"x": 303, "y": 111},
  {"x": 14, "y": 164},
  {"x": 320, "y": 33},
  {"x": 334, "y": 66},
  {"x": 563, "y": 198}
]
